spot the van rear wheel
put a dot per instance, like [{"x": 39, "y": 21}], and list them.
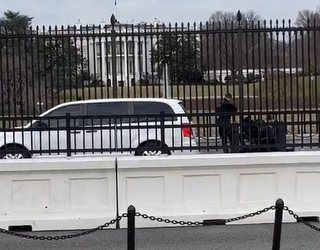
[
  {"x": 14, "y": 152},
  {"x": 152, "y": 148}
]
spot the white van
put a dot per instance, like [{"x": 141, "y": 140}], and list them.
[{"x": 128, "y": 135}]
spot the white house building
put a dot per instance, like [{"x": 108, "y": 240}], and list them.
[
  {"x": 133, "y": 44},
  {"x": 132, "y": 53}
]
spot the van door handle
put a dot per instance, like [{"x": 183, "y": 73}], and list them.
[
  {"x": 75, "y": 132},
  {"x": 91, "y": 131}
]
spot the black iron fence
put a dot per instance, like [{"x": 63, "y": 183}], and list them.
[
  {"x": 266, "y": 66},
  {"x": 132, "y": 214},
  {"x": 156, "y": 134}
]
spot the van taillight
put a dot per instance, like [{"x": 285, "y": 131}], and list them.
[{"x": 187, "y": 131}]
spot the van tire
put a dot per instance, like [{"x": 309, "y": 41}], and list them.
[
  {"x": 14, "y": 152},
  {"x": 148, "y": 149}
]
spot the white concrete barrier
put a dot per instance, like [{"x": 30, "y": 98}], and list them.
[
  {"x": 202, "y": 187},
  {"x": 57, "y": 193},
  {"x": 80, "y": 192}
]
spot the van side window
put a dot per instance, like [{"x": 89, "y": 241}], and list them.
[
  {"x": 74, "y": 110},
  {"x": 143, "y": 109},
  {"x": 108, "y": 109}
]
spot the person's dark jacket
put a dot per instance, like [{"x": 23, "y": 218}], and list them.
[{"x": 225, "y": 110}]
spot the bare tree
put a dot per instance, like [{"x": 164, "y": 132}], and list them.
[
  {"x": 307, "y": 18},
  {"x": 221, "y": 45},
  {"x": 307, "y": 49}
]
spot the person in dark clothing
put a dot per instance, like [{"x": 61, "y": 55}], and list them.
[
  {"x": 261, "y": 133},
  {"x": 225, "y": 111},
  {"x": 269, "y": 135}
]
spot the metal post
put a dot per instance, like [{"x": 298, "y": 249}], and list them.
[
  {"x": 68, "y": 132},
  {"x": 114, "y": 57},
  {"x": 277, "y": 225},
  {"x": 117, "y": 193},
  {"x": 166, "y": 86},
  {"x": 240, "y": 73},
  {"x": 162, "y": 130},
  {"x": 281, "y": 136},
  {"x": 166, "y": 83},
  {"x": 235, "y": 147},
  {"x": 240, "y": 64},
  {"x": 131, "y": 228}
]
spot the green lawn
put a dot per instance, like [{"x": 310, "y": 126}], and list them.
[
  {"x": 295, "y": 87},
  {"x": 153, "y": 91}
]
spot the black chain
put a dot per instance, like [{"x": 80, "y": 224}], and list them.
[
  {"x": 299, "y": 219},
  {"x": 197, "y": 223},
  {"x": 152, "y": 218},
  {"x": 243, "y": 217},
  {"x": 63, "y": 237},
  {"x": 175, "y": 222}
]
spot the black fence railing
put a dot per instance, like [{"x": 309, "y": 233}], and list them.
[
  {"x": 132, "y": 214},
  {"x": 266, "y": 66},
  {"x": 156, "y": 134}
]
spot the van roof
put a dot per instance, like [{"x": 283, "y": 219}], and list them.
[{"x": 163, "y": 100}]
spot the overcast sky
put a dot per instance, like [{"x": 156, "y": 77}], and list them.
[{"x": 67, "y": 12}]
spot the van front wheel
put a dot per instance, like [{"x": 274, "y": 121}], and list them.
[{"x": 152, "y": 148}]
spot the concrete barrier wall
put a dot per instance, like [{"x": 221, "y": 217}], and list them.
[
  {"x": 57, "y": 194},
  {"x": 220, "y": 186},
  {"x": 80, "y": 193}
]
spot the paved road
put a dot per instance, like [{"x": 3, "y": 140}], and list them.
[{"x": 237, "y": 237}]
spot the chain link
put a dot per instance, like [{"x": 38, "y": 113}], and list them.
[
  {"x": 152, "y": 218},
  {"x": 299, "y": 219},
  {"x": 243, "y": 217},
  {"x": 197, "y": 223},
  {"x": 175, "y": 222},
  {"x": 63, "y": 237}
]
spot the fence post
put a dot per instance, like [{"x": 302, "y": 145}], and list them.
[
  {"x": 235, "y": 147},
  {"x": 68, "y": 133},
  {"x": 113, "y": 57},
  {"x": 240, "y": 71},
  {"x": 131, "y": 227},
  {"x": 277, "y": 224},
  {"x": 162, "y": 131},
  {"x": 281, "y": 136},
  {"x": 240, "y": 64}
]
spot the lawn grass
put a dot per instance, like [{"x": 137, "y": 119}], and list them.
[
  {"x": 178, "y": 92},
  {"x": 289, "y": 87},
  {"x": 303, "y": 89}
]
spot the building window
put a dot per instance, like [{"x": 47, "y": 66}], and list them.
[
  {"x": 119, "y": 63},
  {"x": 98, "y": 69},
  {"x": 98, "y": 49},
  {"x": 140, "y": 64},
  {"x": 131, "y": 68},
  {"x": 109, "y": 65},
  {"x": 119, "y": 48},
  {"x": 130, "y": 47},
  {"x": 140, "y": 48},
  {"x": 109, "y": 48},
  {"x": 85, "y": 51}
]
